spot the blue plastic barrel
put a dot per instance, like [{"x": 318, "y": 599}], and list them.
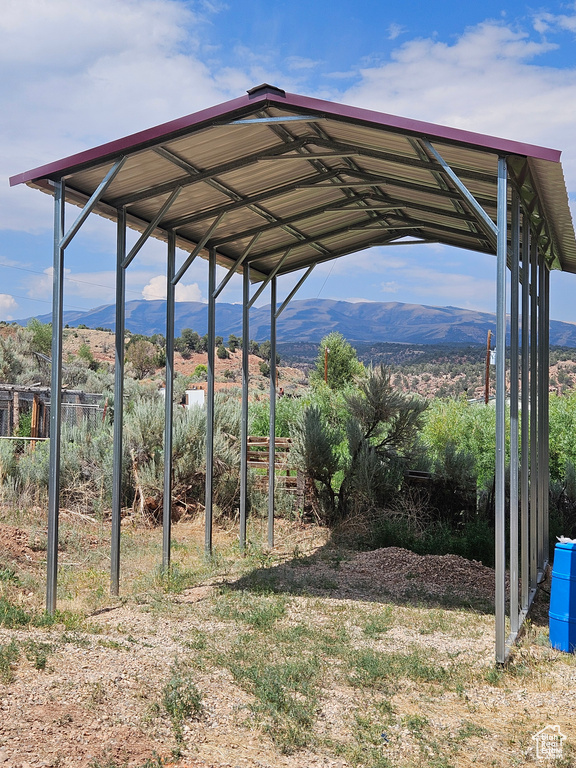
[{"x": 562, "y": 612}]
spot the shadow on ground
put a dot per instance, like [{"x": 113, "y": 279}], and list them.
[{"x": 389, "y": 575}]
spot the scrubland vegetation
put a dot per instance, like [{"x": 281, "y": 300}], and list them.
[
  {"x": 357, "y": 439},
  {"x": 269, "y": 647}
]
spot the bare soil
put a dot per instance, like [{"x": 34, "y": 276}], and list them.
[
  {"x": 228, "y": 371},
  {"x": 96, "y": 701}
]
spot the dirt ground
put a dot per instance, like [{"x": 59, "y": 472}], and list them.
[
  {"x": 228, "y": 371},
  {"x": 94, "y": 704}
]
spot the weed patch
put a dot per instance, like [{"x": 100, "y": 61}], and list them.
[
  {"x": 260, "y": 611},
  {"x": 379, "y": 670},
  {"x": 181, "y": 700},
  {"x": 9, "y": 655},
  {"x": 13, "y": 616},
  {"x": 8, "y": 575},
  {"x": 379, "y": 623},
  {"x": 285, "y": 683},
  {"x": 369, "y": 739},
  {"x": 38, "y": 652}
]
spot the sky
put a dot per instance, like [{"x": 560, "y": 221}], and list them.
[{"x": 75, "y": 74}]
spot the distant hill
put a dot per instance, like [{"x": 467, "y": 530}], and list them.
[{"x": 309, "y": 320}]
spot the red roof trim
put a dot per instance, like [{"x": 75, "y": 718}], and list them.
[{"x": 272, "y": 95}]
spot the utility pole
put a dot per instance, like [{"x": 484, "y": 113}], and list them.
[
  {"x": 487, "y": 377},
  {"x": 326, "y": 350}
]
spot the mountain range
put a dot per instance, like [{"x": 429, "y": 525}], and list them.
[{"x": 309, "y": 320}]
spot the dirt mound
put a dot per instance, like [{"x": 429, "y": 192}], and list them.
[
  {"x": 400, "y": 572},
  {"x": 18, "y": 546}
]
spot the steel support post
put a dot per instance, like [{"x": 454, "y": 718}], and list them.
[
  {"x": 546, "y": 425},
  {"x": 168, "y": 402},
  {"x": 118, "y": 404},
  {"x": 55, "y": 398},
  {"x": 272, "y": 446},
  {"x": 525, "y": 418},
  {"x": 210, "y": 402},
  {"x": 514, "y": 431},
  {"x": 244, "y": 417},
  {"x": 541, "y": 396},
  {"x": 500, "y": 495},
  {"x": 533, "y": 414},
  {"x": 542, "y": 421}
]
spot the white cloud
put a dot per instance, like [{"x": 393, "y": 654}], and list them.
[
  {"x": 7, "y": 306},
  {"x": 395, "y": 30},
  {"x": 156, "y": 289},
  {"x": 99, "y": 287},
  {"x": 189, "y": 292},
  {"x": 355, "y": 299},
  {"x": 298, "y": 62},
  {"x": 549, "y": 22},
  {"x": 390, "y": 287},
  {"x": 465, "y": 290},
  {"x": 76, "y": 74},
  {"x": 486, "y": 81}
]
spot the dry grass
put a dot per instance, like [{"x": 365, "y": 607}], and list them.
[{"x": 267, "y": 659}]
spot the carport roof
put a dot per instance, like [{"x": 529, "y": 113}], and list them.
[{"x": 284, "y": 181}]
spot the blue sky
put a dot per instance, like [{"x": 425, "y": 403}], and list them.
[{"x": 75, "y": 74}]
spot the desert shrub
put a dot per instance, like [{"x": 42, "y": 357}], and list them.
[
  {"x": 562, "y": 429},
  {"x": 563, "y": 504},
  {"x": 363, "y": 467},
  {"x": 201, "y": 371},
  {"x": 24, "y": 424},
  {"x": 11, "y": 360},
  {"x": 145, "y": 437},
  {"x": 85, "y": 354},
  {"x": 452, "y": 488},
  {"x": 469, "y": 427},
  {"x": 287, "y": 412},
  {"x": 8, "y": 462},
  {"x": 86, "y": 465},
  {"x": 33, "y": 471},
  {"x": 340, "y": 363},
  {"x": 40, "y": 336},
  {"x": 142, "y": 355}
]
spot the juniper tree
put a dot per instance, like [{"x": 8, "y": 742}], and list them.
[{"x": 337, "y": 361}]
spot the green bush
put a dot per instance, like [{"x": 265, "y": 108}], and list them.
[
  {"x": 363, "y": 468},
  {"x": 338, "y": 361},
  {"x": 287, "y": 412},
  {"x": 475, "y": 541},
  {"x": 469, "y": 427},
  {"x": 40, "y": 336}
]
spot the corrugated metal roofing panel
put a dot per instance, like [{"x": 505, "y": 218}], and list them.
[{"x": 219, "y": 161}]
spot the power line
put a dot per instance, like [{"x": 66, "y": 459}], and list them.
[{"x": 70, "y": 280}]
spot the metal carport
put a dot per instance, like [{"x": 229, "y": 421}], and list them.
[{"x": 273, "y": 183}]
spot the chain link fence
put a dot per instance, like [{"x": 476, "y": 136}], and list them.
[{"x": 26, "y": 410}]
